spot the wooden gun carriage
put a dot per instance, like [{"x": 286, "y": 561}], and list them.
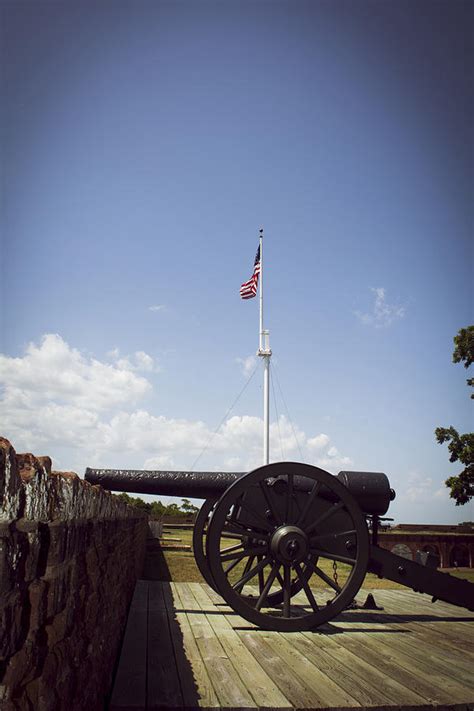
[{"x": 288, "y": 545}]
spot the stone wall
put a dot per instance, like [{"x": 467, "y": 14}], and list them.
[{"x": 70, "y": 554}]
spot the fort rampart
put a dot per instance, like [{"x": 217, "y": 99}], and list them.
[
  {"x": 70, "y": 554},
  {"x": 453, "y": 549}
]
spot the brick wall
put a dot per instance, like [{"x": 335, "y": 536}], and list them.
[{"x": 70, "y": 554}]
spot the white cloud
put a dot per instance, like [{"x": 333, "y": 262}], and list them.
[
  {"x": 84, "y": 412},
  {"x": 418, "y": 488},
  {"x": 53, "y": 372},
  {"x": 247, "y": 364},
  {"x": 163, "y": 462},
  {"x": 318, "y": 442},
  {"x": 382, "y": 314},
  {"x": 157, "y": 307},
  {"x": 139, "y": 361}
]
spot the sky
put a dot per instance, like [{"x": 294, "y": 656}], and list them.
[{"x": 144, "y": 144}]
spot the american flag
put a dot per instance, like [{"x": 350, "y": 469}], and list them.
[{"x": 249, "y": 288}]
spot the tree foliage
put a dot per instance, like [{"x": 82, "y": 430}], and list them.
[
  {"x": 461, "y": 447},
  {"x": 156, "y": 509},
  {"x": 464, "y": 350},
  {"x": 188, "y": 507}
]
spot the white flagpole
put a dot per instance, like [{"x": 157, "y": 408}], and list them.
[{"x": 265, "y": 353}]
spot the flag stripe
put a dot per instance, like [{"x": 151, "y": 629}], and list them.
[{"x": 249, "y": 288}]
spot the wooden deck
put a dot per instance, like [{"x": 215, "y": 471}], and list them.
[{"x": 184, "y": 649}]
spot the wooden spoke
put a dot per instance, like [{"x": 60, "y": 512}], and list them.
[
  {"x": 234, "y": 564},
  {"x": 320, "y": 573},
  {"x": 280, "y": 579},
  {"x": 309, "y": 502},
  {"x": 287, "y": 591},
  {"x": 322, "y": 536},
  {"x": 332, "y": 556},
  {"x": 250, "y": 573},
  {"x": 234, "y": 535},
  {"x": 298, "y": 508},
  {"x": 240, "y": 531},
  {"x": 266, "y": 493},
  {"x": 330, "y": 512},
  {"x": 307, "y": 589},
  {"x": 260, "y": 519},
  {"x": 229, "y": 549},
  {"x": 289, "y": 499},
  {"x": 260, "y": 576},
  {"x": 242, "y": 554},
  {"x": 267, "y": 586}
]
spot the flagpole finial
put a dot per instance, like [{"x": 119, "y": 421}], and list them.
[{"x": 261, "y": 231}]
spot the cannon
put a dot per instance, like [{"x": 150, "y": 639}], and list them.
[{"x": 288, "y": 545}]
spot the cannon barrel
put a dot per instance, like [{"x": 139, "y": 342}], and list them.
[
  {"x": 197, "y": 485},
  {"x": 370, "y": 489}
]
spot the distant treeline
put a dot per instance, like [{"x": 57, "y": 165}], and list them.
[{"x": 156, "y": 509}]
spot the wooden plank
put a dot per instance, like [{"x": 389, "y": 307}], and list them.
[
  {"x": 201, "y": 654},
  {"x": 164, "y": 689},
  {"x": 264, "y": 690},
  {"x": 422, "y": 604},
  {"x": 202, "y": 598},
  {"x": 214, "y": 596},
  {"x": 432, "y": 618},
  {"x": 412, "y": 649},
  {"x": 443, "y": 645},
  {"x": 230, "y": 689},
  {"x": 129, "y": 692},
  {"x": 325, "y": 691},
  {"x": 339, "y": 667},
  {"x": 394, "y": 651},
  {"x": 441, "y": 642},
  {"x": 439, "y": 607},
  {"x": 291, "y": 686},
  {"x": 196, "y": 686},
  {"x": 387, "y": 663}
]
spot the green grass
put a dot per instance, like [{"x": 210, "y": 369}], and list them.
[{"x": 180, "y": 566}]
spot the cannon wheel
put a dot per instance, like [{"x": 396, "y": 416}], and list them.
[
  {"x": 199, "y": 548},
  {"x": 199, "y": 540},
  {"x": 337, "y": 533}
]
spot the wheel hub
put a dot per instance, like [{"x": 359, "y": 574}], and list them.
[{"x": 289, "y": 544}]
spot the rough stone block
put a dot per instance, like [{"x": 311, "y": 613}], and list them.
[
  {"x": 48, "y": 699},
  {"x": 35, "y": 481},
  {"x": 57, "y": 543},
  {"x": 24, "y": 666},
  {"x": 12, "y": 495},
  {"x": 59, "y": 628},
  {"x": 7, "y": 577},
  {"x": 46, "y": 463},
  {"x": 28, "y": 540},
  {"x": 91, "y": 614},
  {"x": 14, "y": 620},
  {"x": 58, "y": 580},
  {"x": 38, "y": 596},
  {"x": 31, "y": 694}
]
